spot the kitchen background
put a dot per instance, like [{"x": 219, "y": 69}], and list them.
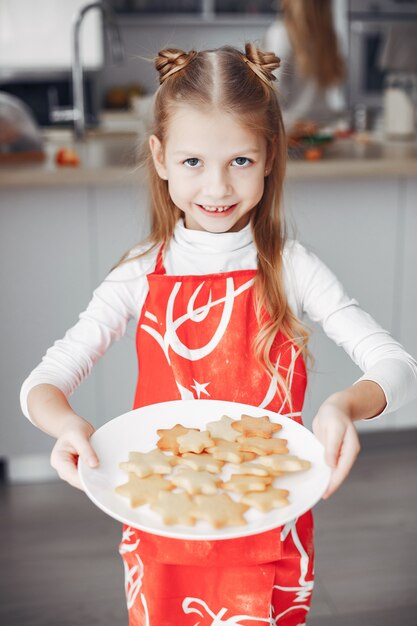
[
  {"x": 72, "y": 200},
  {"x": 355, "y": 206}
]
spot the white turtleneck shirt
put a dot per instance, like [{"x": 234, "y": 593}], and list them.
[{"x": 312, "y": 291}]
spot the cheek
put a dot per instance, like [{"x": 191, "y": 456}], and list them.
[
  {"x": 181, "y": 187},
  {"x": 175, "y": 180},
  {"x": 253, "y": 187}
]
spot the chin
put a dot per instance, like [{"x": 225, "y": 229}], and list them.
[{"x": 219, "y": 226}]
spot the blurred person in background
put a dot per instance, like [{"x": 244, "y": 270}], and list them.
[{"x": 305, "y": 39}]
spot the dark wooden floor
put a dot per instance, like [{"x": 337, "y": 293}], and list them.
[{"x": 59, "y": 564}]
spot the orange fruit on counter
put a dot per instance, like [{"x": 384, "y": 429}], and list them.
[
  {"x": 313, "y": 154},
  {"x": 67, "y": 156}
]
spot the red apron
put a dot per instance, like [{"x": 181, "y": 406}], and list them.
[{"x": 195, "y": 340}]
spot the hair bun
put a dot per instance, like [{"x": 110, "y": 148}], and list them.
[
  {"x": 172, "y": 60},
  {"x": 262, "y": 63}
]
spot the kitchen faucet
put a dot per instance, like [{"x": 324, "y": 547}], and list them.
[{"x": 77, "y": 112}]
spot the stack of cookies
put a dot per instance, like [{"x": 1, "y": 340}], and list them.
[{"x": 181, "y": 478}]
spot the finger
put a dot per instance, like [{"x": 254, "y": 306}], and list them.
[
  {"x": 85, "y": 450},
  {"x": 317, "y": 431},
  {"x": 65, "y": 463},
  {"x": 320, "y": 432},
  {"x": 333, "y": 444},
  {"x": 349, "y": 453}
]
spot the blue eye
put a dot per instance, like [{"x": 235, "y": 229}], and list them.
[
  {"x": 193, "y": 162},
  {"x": 242, "y": 161}
]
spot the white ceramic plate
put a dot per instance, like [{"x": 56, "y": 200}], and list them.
[{"x": 136, "y": 430}]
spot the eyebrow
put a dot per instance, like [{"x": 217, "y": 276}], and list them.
[{"x": 246, "y": 151}]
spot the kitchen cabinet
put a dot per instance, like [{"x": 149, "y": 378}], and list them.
[
  {"x": 354, "y": 226},
  {"x": 56, "y": 246},
  {"x": 26, "y": 40},
  {"x": 46, "y": 280},
  {"x": 405, "y": 307},
  {"x": 201, "y": 8},
  {"x": 59, "y": 242},
  {"x": 116, "y": 231}
]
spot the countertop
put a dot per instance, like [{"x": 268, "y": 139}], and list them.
[{"x": 112, "y": 158}]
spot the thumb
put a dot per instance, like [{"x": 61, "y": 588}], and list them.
[{"x": 87, "y": 452}]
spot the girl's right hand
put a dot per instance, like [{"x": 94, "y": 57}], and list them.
[{"x": 72, "y": 443}]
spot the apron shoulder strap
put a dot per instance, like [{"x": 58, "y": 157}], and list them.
[{"x": 159, "y": 267}]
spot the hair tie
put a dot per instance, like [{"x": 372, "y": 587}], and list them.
[
  {"x": 261, "y": 63},
  {"x": 174, "y": 59},
  {"x": 255, "y": 68}
]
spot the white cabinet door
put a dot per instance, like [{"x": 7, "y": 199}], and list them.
[
  {"x": 57, "y": 245},
  {"x": 353, "y": 227},
  {"x": 46, "y": 281},
  {"x": 121, "y": 220},
  {"x": 406, "y": 279}
]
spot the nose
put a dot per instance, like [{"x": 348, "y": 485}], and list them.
[{"x": 217, "y": 185}]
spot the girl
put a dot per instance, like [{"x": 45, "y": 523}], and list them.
[
  {"x": 306, "y": 41},
  {"x": 216, "y": 163}
]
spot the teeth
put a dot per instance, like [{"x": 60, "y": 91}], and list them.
[{"x": 213, "y": 209}]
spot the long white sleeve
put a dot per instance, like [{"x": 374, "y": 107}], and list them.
[
  {"x": 382, "y": 359},
  {"x": 69, "y": 361},
  {"x": 312, "y": 290}
]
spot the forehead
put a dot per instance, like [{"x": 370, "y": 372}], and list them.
[{"x": 200, "y": 130}]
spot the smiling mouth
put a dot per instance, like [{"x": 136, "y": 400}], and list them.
[{"x": 217, "y": 210}]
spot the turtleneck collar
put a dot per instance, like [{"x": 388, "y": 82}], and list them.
[{"x": 212, "y": 243}]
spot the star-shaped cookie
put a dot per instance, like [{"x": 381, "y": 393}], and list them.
[
  {"x": 201, "y": 462},
  {"x": 195, "y": 482},
  {"x": 143, "y": 490},
  {"x": 222, "y": 429},
  {"x": 271, "y": 498},
  {"x": 240, "y": 483},
  {"x": 262, "y": 446},
  {"x": 146, "y": 463},
  {"x": 251, "y": 469},
  {"x": 175, "y": 508},
  {"x": 220, "y": 510},
  {"x": 195, "y": 441},
  {"x": 283, "y": 463},
  {"x": 229, "y": 451},
  {"x": 256, "y": 426},
  {"x": 168, "y": 437}
]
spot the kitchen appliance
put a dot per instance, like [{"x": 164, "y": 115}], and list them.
[
  {"x": 376, "y": 28},
  {"x": 20, "y": 137},
  {"x": 40, "y": 94},
  {"x": 400, "y": 105}
]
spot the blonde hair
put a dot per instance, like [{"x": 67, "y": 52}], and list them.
[
  {"x": 309, "y": 24},
  {"x": 240, "y": 84}
]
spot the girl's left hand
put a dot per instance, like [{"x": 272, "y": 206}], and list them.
[{"x": 334, "y": 427}]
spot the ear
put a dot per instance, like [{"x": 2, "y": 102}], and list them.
[{"x": 157, "y": 152}]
